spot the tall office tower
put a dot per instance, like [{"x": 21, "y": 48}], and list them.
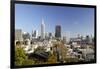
[
  {"x": 34, "y": 34},
  {"x": 50, "y": 35},
  {"x": 42, "y": 29},
  {"x": 64, "y": 39},
  {"x": 18, "y": 35},
  {"x": 46, "y": 35},
  {"x": 58, "y": 31}
]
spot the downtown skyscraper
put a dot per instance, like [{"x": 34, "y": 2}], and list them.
[
  {"x": 58, "y": 31},
  {"x": 18, "y": 35},
  {"x": 34, "y": 33},
  {"x": 42, "y": 29}
]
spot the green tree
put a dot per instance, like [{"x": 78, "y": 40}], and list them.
[
  {"x": 28, "y": 62},
  {"x": 19, "y": 56},
  {"x": 68, "y": 60},
  {"x": 51, "y": 59}
]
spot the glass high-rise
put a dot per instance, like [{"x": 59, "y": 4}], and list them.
[{"x": 58, "y": 31}]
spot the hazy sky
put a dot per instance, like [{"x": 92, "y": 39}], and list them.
[{"x": 73, "y": 20}]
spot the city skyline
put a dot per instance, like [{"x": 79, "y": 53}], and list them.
[{"x": 73, "y": 20}]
